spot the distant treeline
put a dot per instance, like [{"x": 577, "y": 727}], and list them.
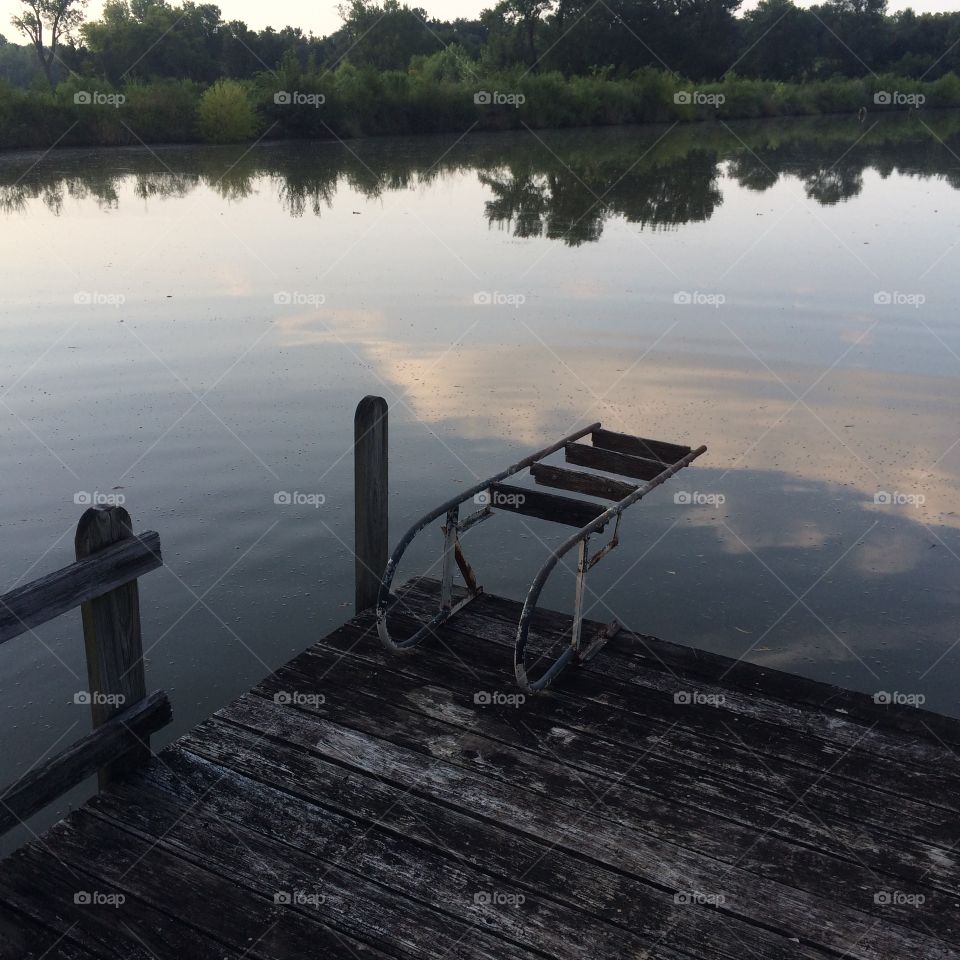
[{"x": 148, "y": 71}]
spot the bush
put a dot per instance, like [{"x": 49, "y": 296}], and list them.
[{"x": 226, "y": 113}]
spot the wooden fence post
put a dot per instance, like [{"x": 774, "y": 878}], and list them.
[
  {"x": 111, "y": 635},
  {"x": 370, "y": 492}
]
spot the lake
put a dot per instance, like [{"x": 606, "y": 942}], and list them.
[{"x": 190, "y": 329}]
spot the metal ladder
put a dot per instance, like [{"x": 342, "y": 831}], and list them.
[{"x": 651, "y": 461}]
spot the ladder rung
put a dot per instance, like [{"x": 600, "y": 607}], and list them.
[
  {"x": 589, "y": 483},
  {"x": 627, "y": 466},
  {"x": 638, "y": 446},
  {"x": 544, "y": 506}
]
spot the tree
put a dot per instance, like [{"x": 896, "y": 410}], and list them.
[{"x": 59, "y": 18}]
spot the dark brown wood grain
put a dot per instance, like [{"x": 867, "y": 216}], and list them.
[{"x": 592, "y": 484}]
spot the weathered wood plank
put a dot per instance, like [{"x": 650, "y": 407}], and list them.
[
  {"x": 585, "y": 740},
  {"x": 893, "y": 737},
  {"x": 41, "y": 600},
  {"x": 59, "y": 891},
  {"x": 765, "y": 753},
  {"x": 344, "y": 900},
  {"x": 111, "y": 636},
  {"x": 508, "y": 858},
  {"x": 584, "y": 455},
  {"x": 121, "y": 733},
  {"x": 830, "y": 925},
  {"x": 519, "y": 755},
  {"x": 531, "y": 921},
  {"x": 371, "y": 491},
  {"x": 544, "y": 506},
  {"x": 592, "y": 484},
  {"x": 639, "y": 446},
  {"x": 22, "y": 938}
]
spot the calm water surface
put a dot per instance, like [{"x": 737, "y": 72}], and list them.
[{"x": 192, "y": 328}]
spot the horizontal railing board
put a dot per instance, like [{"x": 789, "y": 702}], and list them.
[
  {"x": 123, "y": 732},
  {"x": 639, "y": 446},
  {"x": 544, "y": 506},
  {"x": 586, "y": 456},
  {"x": 590, "y": 483},
  {"x": 41, "y": 600}
]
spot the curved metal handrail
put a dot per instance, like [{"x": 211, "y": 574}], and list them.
[
  {"x": 451, "y": 509},
  {"x": 581, "y": 536}
]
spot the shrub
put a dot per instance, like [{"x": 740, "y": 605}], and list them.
[{"x": 226, "y": 114}]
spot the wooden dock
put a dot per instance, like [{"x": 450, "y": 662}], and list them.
[{"x": 659, "y": 802}]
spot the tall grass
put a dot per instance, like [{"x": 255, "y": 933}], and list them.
[{"x": 443, "y": 93}]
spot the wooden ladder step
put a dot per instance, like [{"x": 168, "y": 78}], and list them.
[
  {"x": 586, "y": 456},
  {"x": 544, "y": 506},
  {"x": 639, "y": 446},
  {"x": 589, "y": 483}
]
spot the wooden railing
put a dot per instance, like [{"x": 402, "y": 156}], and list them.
[{"x": 103, "y": 583}]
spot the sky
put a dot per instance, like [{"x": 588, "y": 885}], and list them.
[{"x": 322, "y": 18}]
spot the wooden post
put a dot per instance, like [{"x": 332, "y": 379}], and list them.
[
  {"x": 370, "y": 491},
  {"x": 111, "y": 635}
]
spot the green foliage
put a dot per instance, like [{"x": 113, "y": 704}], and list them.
[{"x": 226, "y": 114}]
